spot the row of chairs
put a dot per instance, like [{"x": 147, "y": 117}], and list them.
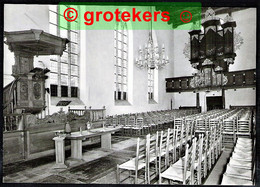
[
  {"x": 145, "y": 123},
  {"x": 235, "y": 123},
  {"x": 240, "y": 169},
  {"x": 153, "y": 153},
  {"x": 159, "y": 155},
  {"x": 200, "y": 156}
]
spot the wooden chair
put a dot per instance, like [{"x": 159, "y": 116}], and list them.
[
  {"x": 171, "y": 146},
  {"x": 147, "y": 128},
  {"x": 163, "y": 152},
  {"x": 181, "y": 173},
  {"x": 244, "y": 128},
  {"x": 201, "y": 125},
  {"x": 138, "y": 126},
  {"x": 131, "y": 124},
  {"x": 136, "y": 166},
  {"x": 152, "y": 155},
  {"x": 199, "y": 159}
]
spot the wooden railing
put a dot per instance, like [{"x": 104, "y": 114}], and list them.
[
  {"x": 236, "y": 79},
  {"x": 13, "y": 122},
  {"x": 95, "y": 114}
]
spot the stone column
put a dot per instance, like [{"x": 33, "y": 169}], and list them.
[{"x": 60, "y": 152}]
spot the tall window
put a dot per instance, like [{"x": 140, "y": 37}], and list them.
[
  {"x": 121, "y": 61},
  {"x": 64, "y": 74},
  {"x": 151, "y": 84}
]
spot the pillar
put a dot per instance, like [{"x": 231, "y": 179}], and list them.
[{"x": 60, "y": 152}]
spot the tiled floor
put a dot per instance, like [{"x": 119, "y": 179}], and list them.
[
  {"x": 99, "y": 166},
  {"x": 98, "y": 163}
]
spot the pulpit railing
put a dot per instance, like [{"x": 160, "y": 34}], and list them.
[
  {"x": 13, "y": 122},
  {"x": 94, "y": 114}
]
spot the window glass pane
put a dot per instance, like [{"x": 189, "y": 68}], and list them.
[
  {"x": 53, "y": 29},
  {"x": 119, "y": 53},
  {"x": 74, "y": 37},
  {"x": 64, "y": 91},
  {"x": 53, "y": 17},
  {"x": 119, "y": 61},
  {"x": 54, "y": 90},
  {"x": 124, "y": 55},
  {"x": 54, "y": 66},
  {"x": 74, "y": 70},
  {"x": 119, "y": 71},
  {"x": 74, "y": 81},
  {"x": 124, "y": 88},
  {"x": 63, "y": 33},
  {"x": 74, "y": 48},
  {"x": 64, "y": 57},
  {"x": 74, "y": 92},
  {"x": 119, "y": 45},
  {"x": 54, "y": 78},
  {"x": 64, "y": 79},
  {"x": 53, "y": 8},
  {"x": 64, "y": 68},
  {"x": 124, "y": 71},
  {"x": 54, "y": 57},
  {"x": 74, "y": 59}
]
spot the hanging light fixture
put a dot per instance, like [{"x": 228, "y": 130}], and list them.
[{"x": 150, "y": 57}]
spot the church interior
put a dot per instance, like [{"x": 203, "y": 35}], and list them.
[{"x": 127, "y": 106}]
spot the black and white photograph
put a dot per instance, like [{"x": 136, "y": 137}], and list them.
[{"x": 154, "y": 106}]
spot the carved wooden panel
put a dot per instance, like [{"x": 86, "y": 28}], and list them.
[
  {"x": 37, "y": 91},
  {"x": 236, "y": 79},
  {"x": 23, "y": 90}
]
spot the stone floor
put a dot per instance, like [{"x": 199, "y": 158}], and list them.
[{"x": 99, "y": 166}]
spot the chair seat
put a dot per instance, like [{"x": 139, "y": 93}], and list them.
[
  {"x": 244, "y": 140},
  {"x": 240, "y": 164},
  {"x": 179, "y": 163},
  {"x": 239, "y": 150},
  {"x": 130, "y": 165},
  {"x": 242, "y": 156},
  {"x": 175, "y": 174},
  {"x": 244, "y": 173},
  {"x": 231, "y": 180},
  {"x": 244, "y": 147}
]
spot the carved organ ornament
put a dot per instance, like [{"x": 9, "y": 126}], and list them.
[{"x": 212, "y": 50}]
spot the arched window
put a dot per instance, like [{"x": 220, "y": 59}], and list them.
[{"x": 121, "y": 61}]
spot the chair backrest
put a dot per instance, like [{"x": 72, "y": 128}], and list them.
[
  {"x": 140, "y": 151},
  {"x": 199, "y": 153},
  {"x": 189, "y": 158},
  {"x": 122, "y": 121},
  {"x": 131, "y": 121},
  {"x": 139, "y": 122},
  {"x": 244, "y": 127},
  {"x": 229, "y": 126},
  {"x": 151, "y": 151},
  {"x": 170, "y": 143},
  {"x": 201, "y": 125},
  {"x": 115, "y": 121},
  {"x": 163, "y": 149}
]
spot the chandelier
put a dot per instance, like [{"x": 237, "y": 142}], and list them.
[
  {"x": 150, "y": 57},
  {"x": 212, "y": 51}
]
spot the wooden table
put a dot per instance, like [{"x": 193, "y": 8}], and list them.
[{"x": 77, "y": 137}]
